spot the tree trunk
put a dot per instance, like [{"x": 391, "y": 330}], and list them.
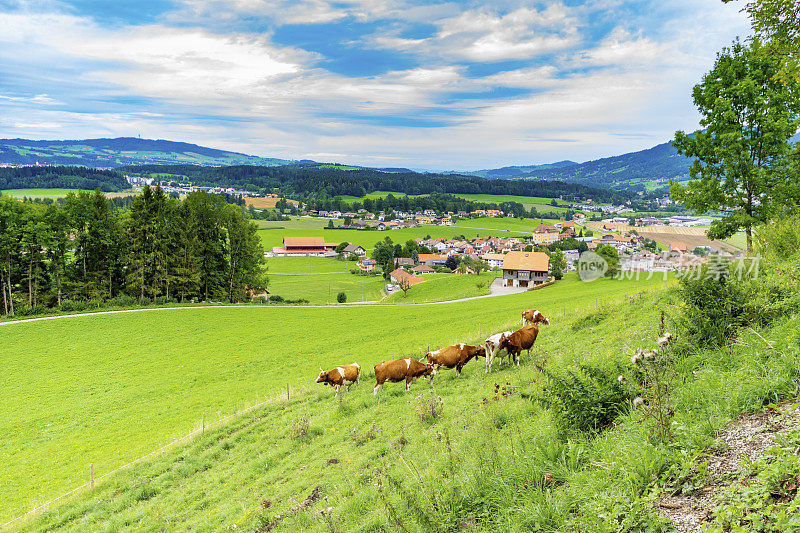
[
  {"x": 749, "y": 232},
  {"x": 10, "y": 294},
  {"x": 3, "y": 288},
  {"x": 30, "y": 280}
]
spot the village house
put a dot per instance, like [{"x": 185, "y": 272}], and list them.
[
  {"x": 403, "y": 262},
  {"x": 493, "y": 260},
  {"x": 422, "y": 269},
  {"x": 366, "y": 265},
  {"x": 305, "y": 246},
  {"x": 525, "y": 269},
  {"x": 401, "y": 276},
  {"x": 354, "y": 249},
  {"x": 432, "y": 259},
  {"x": 422, "y": 219},
  {"x": 677, "y": 248}
]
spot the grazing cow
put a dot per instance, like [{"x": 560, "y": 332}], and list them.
[
  {"x": 522, "y": 339},
  {"x": 532, "y": 316},
  {"x": 492, "y": 349},
  {"x": 456, "y": 356},
  {"x": 407, "y": 369},
  {"x": 345, "y": 375}
]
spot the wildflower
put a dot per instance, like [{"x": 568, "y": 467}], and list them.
[
  {"x": 621, "y": 379},
  {"x": 649, "y": 355},
  {"x": 635, "y": 358},
  {"x": 638, "y": 401},
  {"x": 665, "y": 339}
]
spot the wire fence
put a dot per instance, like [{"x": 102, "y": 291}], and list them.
[{"x": 92, "y": 483}]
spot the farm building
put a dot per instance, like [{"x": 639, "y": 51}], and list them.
[
  {"x": 525, "y": 269},
  {"x": 305, "y": 246}
]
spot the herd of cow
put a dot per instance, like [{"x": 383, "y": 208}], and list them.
[{"x": 455, "y": 356}]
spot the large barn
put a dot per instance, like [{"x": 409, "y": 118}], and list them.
[
  {"x": 305, "y": 246},
  {"x": 525, "y": 269}
]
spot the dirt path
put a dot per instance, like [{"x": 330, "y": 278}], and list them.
[{"x": 744, "y": 440}]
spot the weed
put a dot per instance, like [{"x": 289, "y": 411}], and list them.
[
  {"x": 429, "y": 408},
  {"x": 588, "y": 399}
]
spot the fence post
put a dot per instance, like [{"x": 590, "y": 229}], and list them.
[
  {"x": 91, "y": 477},
  {"x": 479, "y": 330},
  {"x": 287, "y": 391}
]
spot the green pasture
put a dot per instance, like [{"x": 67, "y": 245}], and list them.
[
  {"x": 319, "y": 280},
  {"x": 39, "y": 193},
  {"x": 443, "y": 287},
  {"x": 272, "y": 233},
  {"x": 739, "y": 240},
  {"x": 106, "y": 389}
]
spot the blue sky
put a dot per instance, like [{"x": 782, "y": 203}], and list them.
[{"x": 421, "y": 84}]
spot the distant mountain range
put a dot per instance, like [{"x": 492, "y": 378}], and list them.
[
  {"x": 112, "y": 153},
  {"x": 644, "y": 170}
]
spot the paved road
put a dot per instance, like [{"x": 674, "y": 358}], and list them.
[{"x": 495, "y": 288}]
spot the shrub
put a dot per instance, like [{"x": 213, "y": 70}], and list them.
[
  {"x": 341, "y": 297},
  {"x": 587, "y": 400},
  {"x": 714, "y": 306}
]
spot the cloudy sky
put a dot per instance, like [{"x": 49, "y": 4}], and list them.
[{"x": 422, "y": 84}]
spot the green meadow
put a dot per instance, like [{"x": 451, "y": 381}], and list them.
[
  {"x": 443, "y": 287},
  {"x": 106, "y": 389},
  {"x": 272, "y": 233},
  {"x": 319, "y": 280},
  {"x": 39, "y": 193}
]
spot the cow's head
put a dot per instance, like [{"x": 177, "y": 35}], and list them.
[
  {"x": 430, "y": 370},
  {"x": 480, "y": 351},
  {"x": 539, "y": 318},
  {"x": 503, "y": 344},
  {"x": 323, "y": 377}
]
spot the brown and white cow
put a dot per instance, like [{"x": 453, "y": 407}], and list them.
[
  {"x": 340, "y": 376},
  {"x": 522, "y": 339},
  {"x": 455, "y": 356},
  {"x": 492, "y": 345},
  {"x": 407, "y": 369},
  {"x": 533, "y": 316}
]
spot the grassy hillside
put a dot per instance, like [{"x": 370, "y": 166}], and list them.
[
  {"x": 79, "y": 401},
  {"x": 442, "y": 287},
  {"x": 465, "y": 453}
]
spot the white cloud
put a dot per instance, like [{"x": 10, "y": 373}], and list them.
[{"x": 587, "y": 98}]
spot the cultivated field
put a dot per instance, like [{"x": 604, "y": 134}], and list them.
[
  {"x": 693, "y": 237},
  {"x": 262, "y": 203},
  {"x": 109, "y": 388}
]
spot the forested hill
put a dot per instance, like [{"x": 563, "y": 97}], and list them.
[
  {"x": 110, "y": 153},
  {"x": 324, "y": 180},
  {"x": 513, "y": 172},
  {"x": 635, "y": 171},
  {"x": 61, "y": 178}
]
